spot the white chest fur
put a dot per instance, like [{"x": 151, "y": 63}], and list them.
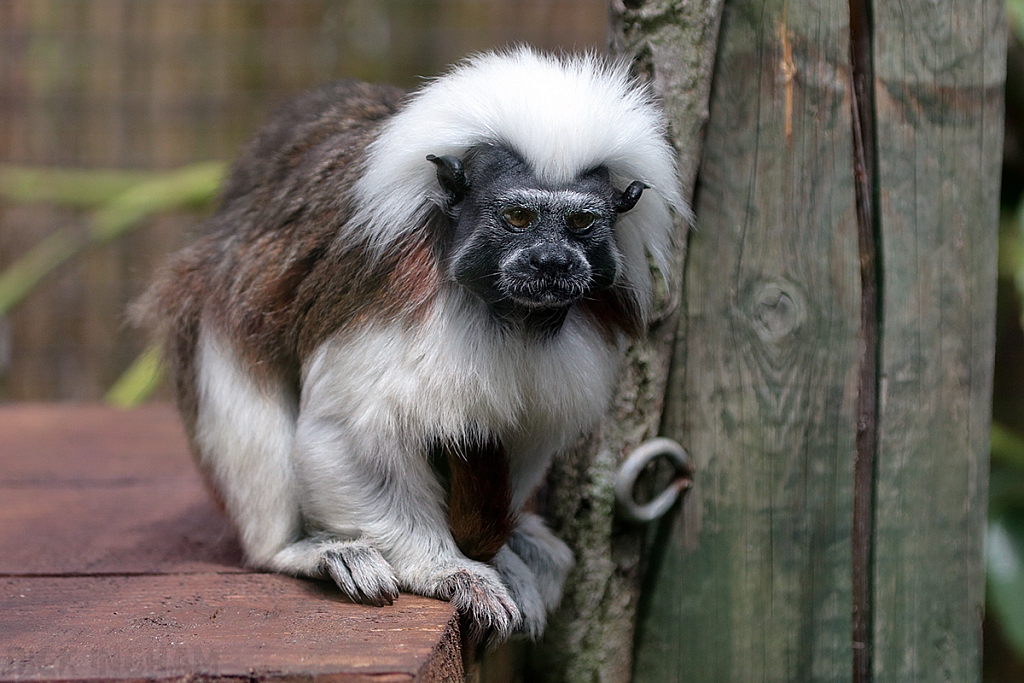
[{"x": 460, "y": 374}]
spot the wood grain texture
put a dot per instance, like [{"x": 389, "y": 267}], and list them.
[
  {"x": 127, "y": 528},
  {"x": 91, "y": 490},
  {"x": 116, "y": 565},
  {"x": 938, "y": 92},
  {"x": 213, "y": 626},
  {"x": 60, "y": 444},
  {"x": 751, "y": 582}
]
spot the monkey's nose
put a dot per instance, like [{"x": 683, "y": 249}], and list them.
[{"x": 551, "y": 260}]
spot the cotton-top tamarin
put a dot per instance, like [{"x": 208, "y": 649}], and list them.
[{"x": 404, "y": 307}]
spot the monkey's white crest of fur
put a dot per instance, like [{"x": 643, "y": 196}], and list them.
[{"x": 563, "y": 115}]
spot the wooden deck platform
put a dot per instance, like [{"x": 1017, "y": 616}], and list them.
[{"x": 115, "y": 565}]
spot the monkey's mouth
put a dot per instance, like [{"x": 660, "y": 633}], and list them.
[{"x": 543, "y": 292}]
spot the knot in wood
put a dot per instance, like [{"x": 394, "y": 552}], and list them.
[{"x": 778, "y": 309}]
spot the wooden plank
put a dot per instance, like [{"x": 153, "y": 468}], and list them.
[
  {"x": 116, "y": 565},
  {"x": 939, "y": 69},
  {"x": 90, "y": 443},
  {"x": 251, "y": 626},
  {"x": 751, "y": 582},
  {"x": 123, "y": 528}
]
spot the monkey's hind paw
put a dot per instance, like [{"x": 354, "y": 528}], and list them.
[
  {"x": 488, "y": 610},
  {"x": 522, "y": 586},
  {"x": 361, "y": 572},
  {"x": 545, "y": 554}
]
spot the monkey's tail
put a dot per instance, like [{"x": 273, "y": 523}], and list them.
[{"x": 170, "y": 311}]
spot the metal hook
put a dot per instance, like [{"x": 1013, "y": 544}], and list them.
[{"x": 627, "y": 475}]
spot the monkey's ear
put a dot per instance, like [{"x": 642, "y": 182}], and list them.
[
  {"x": 629, "y": 197},
  {"x": 452, "y": 176}
]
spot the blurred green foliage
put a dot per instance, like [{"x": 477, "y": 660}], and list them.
[
  {"x": 116, "y": 202},
  {"x": 1004, "y": 546},
  {"x": 139, "y": 381}
]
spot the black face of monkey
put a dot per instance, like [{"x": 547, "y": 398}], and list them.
[{"x": 518, "y": 243}]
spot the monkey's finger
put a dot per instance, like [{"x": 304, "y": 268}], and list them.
[
  {"x": 336, "y": 568},
  {"x": 379, "y": 597},
  {"x": 374, "y": 577},
  {"x": 377, "y": 590},
  {"x": 487, "y": 608}
]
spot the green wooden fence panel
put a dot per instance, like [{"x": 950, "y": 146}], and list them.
[
  {"x": 754, "y": 581},
  {"x": 939, "y": 68},
  {"x": 751, "y": 581}
]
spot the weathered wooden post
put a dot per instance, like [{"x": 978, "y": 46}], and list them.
[{"x": 833, "y": 358}]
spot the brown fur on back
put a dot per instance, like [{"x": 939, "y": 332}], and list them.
[{"x": 271, "y": 273}]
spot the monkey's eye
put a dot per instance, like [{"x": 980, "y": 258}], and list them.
[
  {"x": 580, "y": 221},
  {"x": 518, "y": 217}
]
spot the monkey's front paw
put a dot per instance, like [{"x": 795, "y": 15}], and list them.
[
  {"x": 361, "y": 572},
  {"x": 483, "y": 601}
]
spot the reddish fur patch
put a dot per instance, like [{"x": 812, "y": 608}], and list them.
[
  {"x": 415, "y": 279},
  {"x": 479, "y": 497},
  {"x": 270, "y": 273}
]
